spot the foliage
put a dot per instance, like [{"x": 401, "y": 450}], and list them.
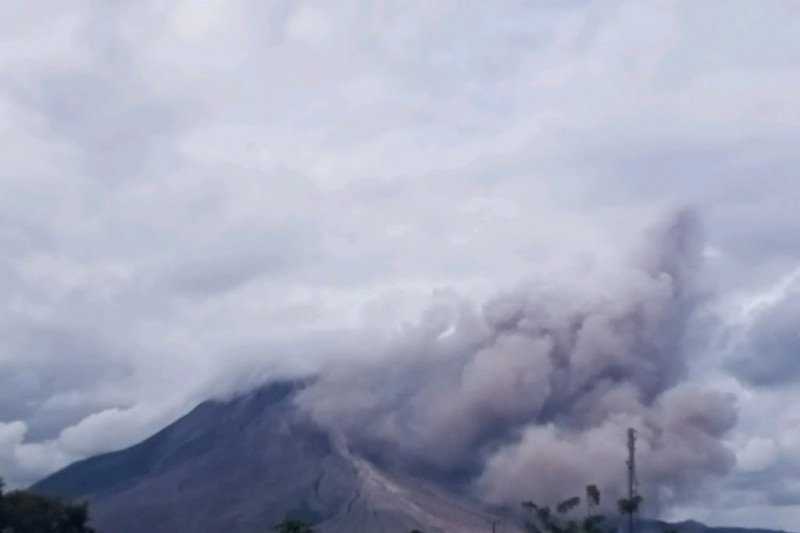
[
  {"x": 543, "y": 520},
  {"x": 593, "y": 495},
  {"x": 293, "y": 526},
  {"x": 629, "y": 505},
  {"x": 25, "y": 512},
  {"x": 568, "y": 505}
]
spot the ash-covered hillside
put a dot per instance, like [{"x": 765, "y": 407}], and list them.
[
  {"x": 245, "y": 464},
  {"x": 242, "y": 465}
]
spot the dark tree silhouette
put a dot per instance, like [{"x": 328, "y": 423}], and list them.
[
  {"x": 26, "y": 512},
  {"x": 543, "y": 520},
  {"x": 629, "y": 507},
  {"x": 293, "y": 526},
  {"x": 592, "y": 495}
]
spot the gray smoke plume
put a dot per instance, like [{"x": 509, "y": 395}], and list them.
[{"x": 531, "y": 396}]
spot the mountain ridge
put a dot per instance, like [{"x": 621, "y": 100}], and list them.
[
  {"x": 244, "y": 464},
  {"x": 248, "y": 463}
]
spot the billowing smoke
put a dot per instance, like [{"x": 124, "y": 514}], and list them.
[{"x": 531, "y": 396}]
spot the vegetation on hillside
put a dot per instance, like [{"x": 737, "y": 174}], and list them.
[
  {"x": 25, "y": 512},
  {"x": 541, "y": 519},
  {"x": 293, "y": 526}
]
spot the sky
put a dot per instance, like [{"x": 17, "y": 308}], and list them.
[{"x": 195, "y": 197}]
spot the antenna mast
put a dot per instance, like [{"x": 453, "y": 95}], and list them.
[{"x": 632, "y": 483}]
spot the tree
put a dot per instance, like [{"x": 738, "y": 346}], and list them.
[
  {"x": 592, "y": 496},
  {"x": 26, "y": 512},
  {"x": 293, "y": 526},
  {"x": 629, "y": 506},
  {"x": 543, "y": 520}
]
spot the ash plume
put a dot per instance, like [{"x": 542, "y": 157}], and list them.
[{"x": 530, "y": 395}]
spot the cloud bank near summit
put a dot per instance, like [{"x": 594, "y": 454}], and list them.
[
  {"x": 531, "y": 396},
  {"x": 195, "y": 192}
]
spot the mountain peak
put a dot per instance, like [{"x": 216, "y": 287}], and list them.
[{"x": 244, "y": 464}]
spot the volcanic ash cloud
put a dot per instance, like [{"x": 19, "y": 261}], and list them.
[{"x": 531, "y": 396}]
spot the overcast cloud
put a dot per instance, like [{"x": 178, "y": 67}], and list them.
[{"x": 198, "y": 196}]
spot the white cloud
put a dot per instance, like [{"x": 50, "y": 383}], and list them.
[
  {"x": 187, "y": 190},
  {"x": 757, "y": 454},
  {"x": 21, "y": 460}
]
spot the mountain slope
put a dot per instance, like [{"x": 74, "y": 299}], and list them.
[{"x": 243, "y": 465}]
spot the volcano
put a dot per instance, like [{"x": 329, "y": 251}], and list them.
[{"x": 244, "y": 464}]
